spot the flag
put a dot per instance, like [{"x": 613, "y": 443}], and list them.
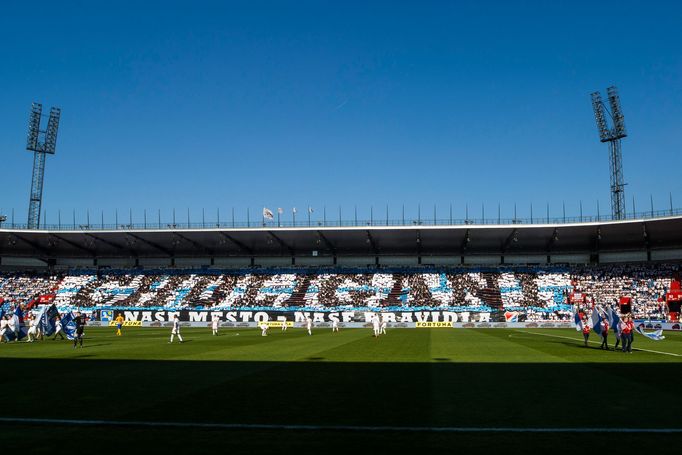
[
  {"x": 511, "y": 316},
  {"x": 18, "y": 321},
  {"x": 310, "y": 210},
  {"x": 48, "y": 319},
  {"x": 614, "y": 320},
  {"x": 19, "y": 314},
  {"x": 596, "y": 321},
  {"x": 578, "y": 322},
  {"x": 280, "y": 210},
  {"x": 39, "y": 316},
  {"x": 267, "y": 214},
  {"x": 68, "y": 326},
  {"x": 656, "y": 335},
  {"x": 293, "y": 210}
]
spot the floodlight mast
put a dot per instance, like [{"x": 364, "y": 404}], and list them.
[
  {"x": 40, "y": 149},
  {"x": 613, "y": 137}
]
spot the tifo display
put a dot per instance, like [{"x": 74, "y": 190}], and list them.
[{"x": 498, "y": 294}]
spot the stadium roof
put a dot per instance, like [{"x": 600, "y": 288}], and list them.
[{"x": 418, "y": 240}]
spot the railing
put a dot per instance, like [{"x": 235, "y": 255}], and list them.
[{"x": 274, "y": 224}]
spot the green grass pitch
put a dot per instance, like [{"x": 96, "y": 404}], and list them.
[{"x": 425, "y": 378}]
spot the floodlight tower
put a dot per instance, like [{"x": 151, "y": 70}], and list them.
[
  {"x": 40, "y": 142},
  {"x": 612, "y": 136}
]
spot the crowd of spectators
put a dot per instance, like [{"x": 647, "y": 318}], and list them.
[
  {"x": 17, "y": 288},
  {"x": 538, "y": 293}
]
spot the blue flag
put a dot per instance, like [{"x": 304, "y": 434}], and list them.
[
  {"x": 22, "y": 330},
  {"x": 596, "y": 321},
  {"x": 69, "y": 326},
  {"x": 19, "y": 314},
  {"x": 656, "y": 335},
  {"x": 578, "y": 322},
  {"x": 614, "y": 320},
  {"x": 47, "y": 319}
]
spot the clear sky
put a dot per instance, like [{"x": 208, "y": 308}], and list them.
[{"x": 281, "y": 104}]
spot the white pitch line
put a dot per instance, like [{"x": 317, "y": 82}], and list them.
[
  {"x": 597, "y": 342},
  {"x": 359, "y": 428}
]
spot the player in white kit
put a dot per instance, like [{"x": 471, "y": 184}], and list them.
[
  {"x": 383, "y": 327},
  {"x": 284, "y": 325},
  {"x": 375, "y": 326},
  {"x": 176, "y": 329},
  {"x": 214, "y": 325},
  {"x": 264, "y": 329},
  {"x": 309, "y": 325},
  {"x": 335, "y": 325}
]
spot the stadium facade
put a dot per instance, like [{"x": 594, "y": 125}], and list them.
[{"x": 594, "y": 242}]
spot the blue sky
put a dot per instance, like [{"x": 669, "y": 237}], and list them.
[{"x": 245, "y": 104}]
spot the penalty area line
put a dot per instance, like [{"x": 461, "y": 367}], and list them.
[
  {"x": 358, "y": 428},
  {"x": 597, "y": 342}
]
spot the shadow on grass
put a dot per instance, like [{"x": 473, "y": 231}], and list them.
[
  {"x": 329, "y": 393},
  {"x": 150, "y": 440}
]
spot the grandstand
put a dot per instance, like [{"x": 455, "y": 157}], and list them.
[{"x": 532, "y": 270}]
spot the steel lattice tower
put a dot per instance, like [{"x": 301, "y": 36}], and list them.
[
  {"x": 40, "y": 143},
  {"x": 612, "y": 136}
]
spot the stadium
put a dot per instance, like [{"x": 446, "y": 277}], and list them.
[
  {"x": 509, "y": 289},
  {"x": 327, "y": 333}
]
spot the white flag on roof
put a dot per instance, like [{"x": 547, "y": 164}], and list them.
[
  {"x": 280, "y": 210},
  {"x": 293, "y": 210},
  {"x": 267, "y": 214},
  {"x": 310, "y": 210}
]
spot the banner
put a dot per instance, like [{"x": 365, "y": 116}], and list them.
[
  {"x": 106, "y": 315},
  {"x": 126, "y": 323},
  {"x": 237, "y": 316},
  {"x": 278, "y": 323},
  {"x": 432, "y": 325}
]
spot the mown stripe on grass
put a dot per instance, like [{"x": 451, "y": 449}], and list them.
[{"x": 358, "y": 428}]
